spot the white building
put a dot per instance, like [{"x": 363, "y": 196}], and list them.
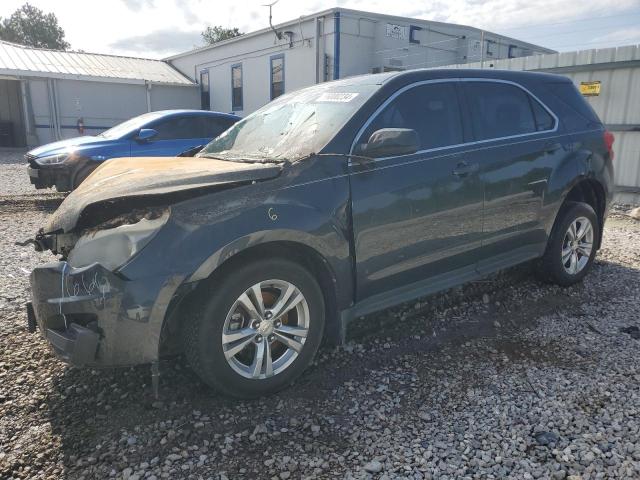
[
  {"x": 242, "y": 74},
  {"x": 46, "y": 95}
]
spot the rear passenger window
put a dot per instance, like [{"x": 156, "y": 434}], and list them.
[
  {"x": 500, "y": 110},
  {"x": 177, "y": 128},
  {"x": 431, "y": 110}
]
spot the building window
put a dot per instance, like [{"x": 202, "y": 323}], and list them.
[
  {"x": 277, "y": 76},
  {"x": 236, "y": 87},
  {"x": 205, "y": 99}
]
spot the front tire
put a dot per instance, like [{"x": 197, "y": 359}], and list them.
[
  {"x": 572, "y": 245},
  {"x": 258, "y": 328}
]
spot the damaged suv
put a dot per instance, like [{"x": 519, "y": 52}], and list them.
[{"x": 327, "y": 204}]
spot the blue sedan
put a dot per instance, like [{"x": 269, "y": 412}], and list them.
[{"x": 65, "y": 164}]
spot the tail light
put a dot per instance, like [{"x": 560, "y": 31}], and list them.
[{"x": 608, "y": 141}]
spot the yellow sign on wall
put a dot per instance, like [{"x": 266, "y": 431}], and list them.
[{"x": 590, "y": 89}]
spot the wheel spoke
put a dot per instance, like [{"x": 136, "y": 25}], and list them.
[
  {"x": 566, "y": 254},
  {"x": 289, "y": 342},
  {"x": 573, "y": 266},
  {"x": 584, "y": 249},
  {"x": 255, "y": 294},
  {"x": 268, "y": 361},
  {"x": 236, "y": 335},
  {"x": 295, "y": 299},
  {"x": 282, "y": 300},
  {"x": 237, "y": 348},
  {"x": 258, "y": 359},
  {"x": 248, "y": 305},
  {"x": 572, "y": 231},
  {"x": 295, "y": 331},
  {"x": 585, "y": 228},
  {"x": 262, "y": 362}
]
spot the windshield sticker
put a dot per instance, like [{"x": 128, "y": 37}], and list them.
[{"x": 336, "y": 97}]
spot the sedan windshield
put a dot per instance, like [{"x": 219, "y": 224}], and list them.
[
  {"x": 291, "y": 127},
  {"x": 129, "y": 126}
]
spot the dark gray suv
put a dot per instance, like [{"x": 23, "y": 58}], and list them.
[{"x": 327, "y": 204}]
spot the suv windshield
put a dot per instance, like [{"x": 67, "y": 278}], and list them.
[
  {"x": 293, "y": 126},
  {"x": 129, "y": 126}
]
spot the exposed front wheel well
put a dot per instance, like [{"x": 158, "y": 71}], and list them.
[{"x": 301, "y": 254}]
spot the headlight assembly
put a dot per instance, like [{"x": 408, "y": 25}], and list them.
[
  {"x": 53, "y": 159},
  {"x": 113, "y": 247}
]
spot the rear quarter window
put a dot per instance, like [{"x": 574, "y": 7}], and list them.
[{"x": 576, "y": 112}]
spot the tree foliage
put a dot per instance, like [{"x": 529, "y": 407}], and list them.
[
  {"x": 217, "y": 33},
  {"x": 30, "y": 26}
]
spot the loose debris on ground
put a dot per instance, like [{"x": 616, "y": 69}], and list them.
[{"x": 504, "y": 378}]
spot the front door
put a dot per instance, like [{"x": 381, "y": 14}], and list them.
[
  {"x": 416, "y": 216},
  {"x": 175, "y": 135}
]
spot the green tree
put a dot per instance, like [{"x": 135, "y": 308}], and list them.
[
  {"x": 217, "y": 33},
  {"x": 31, "y": 26}
]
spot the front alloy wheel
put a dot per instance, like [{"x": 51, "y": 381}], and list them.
[
  {"x": 257, "y": 326},
  {"x": 265, "y": 329}
]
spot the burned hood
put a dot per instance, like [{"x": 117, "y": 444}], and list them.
[{"x": 152, "y": 180}]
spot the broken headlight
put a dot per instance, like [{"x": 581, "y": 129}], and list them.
[
  {"x": 113, "y": 247},
  {"x": 53, "y": 159}
]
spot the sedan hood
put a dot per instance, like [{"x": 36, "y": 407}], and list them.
[
  {"x": 66, "y": 146},
  {"x": 122, "y": 184}
]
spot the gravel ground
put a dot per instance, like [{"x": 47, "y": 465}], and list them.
[{"x": 502, "y": 378}]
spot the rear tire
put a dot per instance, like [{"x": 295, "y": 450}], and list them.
[
  {"x": 572, "y": 245},
  {"x": 244, "y": 352}
]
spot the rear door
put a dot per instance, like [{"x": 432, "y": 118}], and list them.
[
  {"x": 416, "y": 216},
  {"x": 517, "y": 146}
]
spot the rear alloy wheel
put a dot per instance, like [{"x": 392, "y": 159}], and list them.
[
  {"x": 577, "y": 245},
  {"x": 571, "y": 247},
  {"x": 259, "y": 330}
]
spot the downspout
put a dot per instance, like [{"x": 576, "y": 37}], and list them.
[
  {"x": 55, "y": 108},
  {"x": 148, "y": 88},
  {"x": 29, "y": 132},
  {"x": 336, "y": 46},
  {"x": 317, "y": 45}
]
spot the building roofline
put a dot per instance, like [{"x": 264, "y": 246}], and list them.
[
  {"x": 329, "y": 11},
  {"x": 134, "y": 79},
  {"x": 78, "y": 52}
]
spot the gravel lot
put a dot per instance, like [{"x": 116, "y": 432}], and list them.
[{"x": 504, "y": 378}]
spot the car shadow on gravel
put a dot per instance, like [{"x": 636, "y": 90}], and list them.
[{"x": 485, "y": 320}]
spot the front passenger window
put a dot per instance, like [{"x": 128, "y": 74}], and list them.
[{"x": 432, "y": 110}]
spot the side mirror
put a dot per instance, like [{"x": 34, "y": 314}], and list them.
[
  {"x": 388, "y": 142},
  {"x": 146, "y": 134}
]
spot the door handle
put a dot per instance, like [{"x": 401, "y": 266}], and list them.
[{"x": 463, "y": 169}]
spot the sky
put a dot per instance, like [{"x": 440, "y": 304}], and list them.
[{"x": 159, "y": 28}]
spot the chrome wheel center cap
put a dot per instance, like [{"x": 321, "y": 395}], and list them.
[{"x": 266, "y": 328}]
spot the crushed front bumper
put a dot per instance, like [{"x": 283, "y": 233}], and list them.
[{"x": 94, "y": 317}]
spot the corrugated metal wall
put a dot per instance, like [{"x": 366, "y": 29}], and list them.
[{"x": 618, "y": 105}]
